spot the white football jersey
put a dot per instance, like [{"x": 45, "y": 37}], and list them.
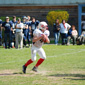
[
  {"x": 47, "y": 33},
  {"x": 38, "y": 33}
]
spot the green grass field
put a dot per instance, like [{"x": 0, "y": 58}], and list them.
[{"x": 65, "y": 65}]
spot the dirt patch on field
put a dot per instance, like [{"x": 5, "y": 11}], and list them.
[
  {"x": 17, "y": 73},
  {"x": 10, "y": 73},
  {"x": 6, "y": 72},
  {"x": 77, "y": 72},
  {"x": 61, "y": 77},
  {"x": 44, "y": 72}
]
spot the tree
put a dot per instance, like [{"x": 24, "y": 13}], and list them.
[{"x": 53, "y": 15}]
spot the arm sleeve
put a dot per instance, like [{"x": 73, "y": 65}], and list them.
[
  {"x": 68, "y": 26},
  {"x": 37, "y": 33},
  {"x": 47, "y": 32}
]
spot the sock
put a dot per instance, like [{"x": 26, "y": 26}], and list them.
[
  {"x": 28, "y": 62},
  {"x": 39, "y": 62}
]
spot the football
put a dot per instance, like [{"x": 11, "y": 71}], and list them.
[{"x": 45, "y": 39}]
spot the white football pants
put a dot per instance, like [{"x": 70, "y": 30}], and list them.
[{"x": 40, "y": 52}]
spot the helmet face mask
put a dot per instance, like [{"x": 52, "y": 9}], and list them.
[{"x": 44, "y": 27}]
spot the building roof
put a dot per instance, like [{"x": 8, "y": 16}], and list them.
[{"x": 40, "y": 2}]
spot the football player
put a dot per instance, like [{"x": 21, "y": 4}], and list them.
[
  {"x": 39, "y": 37},
  {"x": 25, "y": 30}
]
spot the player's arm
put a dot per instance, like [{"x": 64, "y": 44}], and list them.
[
  {"x": 37, "y": 38},
  {"x": 47, "y": 39},
  {"x": 29, "y": 27},
  {"x": 26, "y": 27},
  {"x": 1, "y": 26},
  {"x": 68, "y": 26},
  {"x": 17, "y": 27},
  {"x": 11, "y": 29}
]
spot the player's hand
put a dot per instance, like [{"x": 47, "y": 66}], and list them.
[
  {"x": 45, "y": 39},
  {"x": 43, "y": 36}
]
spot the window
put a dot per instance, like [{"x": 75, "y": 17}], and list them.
[{"x": 83, "y": 9}]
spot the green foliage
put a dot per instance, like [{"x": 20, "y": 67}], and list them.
[{"x": 53, "y": 15}]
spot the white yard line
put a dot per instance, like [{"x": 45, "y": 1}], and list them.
[
  {"x": 67, "y": 53},
  {"x": 12, "y": 61}
]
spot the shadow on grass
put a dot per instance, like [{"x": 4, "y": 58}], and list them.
[
  {"x": 4, "y": 74},
  {"x": 75, "y": 76}
]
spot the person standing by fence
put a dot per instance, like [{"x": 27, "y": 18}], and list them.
[
  {"x": 56, "y": 30},
  {"x": 25, "y": 31},
  {"x": 13, "y": 32},
  {"x": 64, "y": 31},
  {"x": 19, "y": 34},
  {"x": 7, "y": 32},
  {"x": 74, "y": 34},
  {"x": 33, "y": 24}
]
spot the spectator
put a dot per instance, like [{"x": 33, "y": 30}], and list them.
[
  {"x": 69, "y": 36},
  {"x": 28, "y": 19},
  {"x": 25, "y": 30},
  {"x": 0, "y": 32},
  {"x": 7, "y": 32},
  {"x": 74, "y": 34},
  {"x": 29, "y": 30},
  {"x": 56, "y": 31},
  {"x": 64, "y": 30},
  {"x": 19, "y": 34},
  {"x": 14, "y": 30},
  {"x": 33, "y": 24},
  {"x": 29, "y": 35},
  {"x": 83, "y": 24},
  {"x": 81, "y": 39}
]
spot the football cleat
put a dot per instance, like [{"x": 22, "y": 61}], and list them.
[
  {"x": 35, "y": 69},
  {"x": 24, "y": 69}
]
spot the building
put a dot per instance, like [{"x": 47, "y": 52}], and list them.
[{"x": 40, "y": 8}]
